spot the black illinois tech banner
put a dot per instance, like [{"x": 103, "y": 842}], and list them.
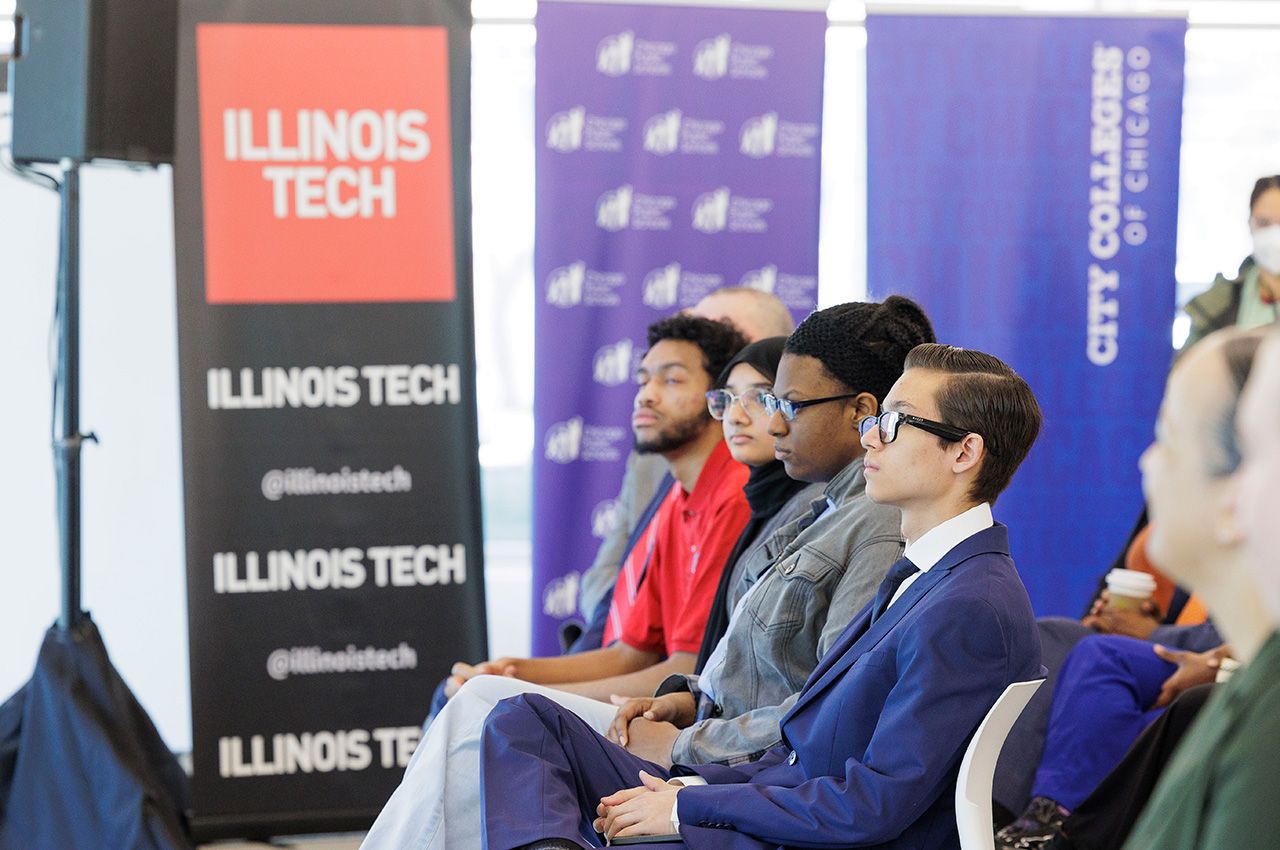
[{"x": 321, "y": 192}]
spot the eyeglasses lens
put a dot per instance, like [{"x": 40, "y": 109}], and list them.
[
  {"x": 717, "y": 403},
  {"x": 889, "y": 422},
  {"x": 753, "y": 402}
]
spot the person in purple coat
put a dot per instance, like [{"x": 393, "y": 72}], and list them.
[{"x": 869, "y": 753}]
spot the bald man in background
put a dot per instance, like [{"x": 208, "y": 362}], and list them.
[{"x": 757, "y": 315}]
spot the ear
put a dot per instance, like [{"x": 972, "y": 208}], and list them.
[
  {"x": 967, "y": 454},
  {"x": 1224, "y": 502},
  {"x": 863, "y": 405}
]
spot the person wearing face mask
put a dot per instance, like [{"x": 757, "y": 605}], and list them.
[{"x": 1250, "y": 299}]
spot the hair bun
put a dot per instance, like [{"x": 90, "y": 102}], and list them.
[{"x": 913, "y": 315}]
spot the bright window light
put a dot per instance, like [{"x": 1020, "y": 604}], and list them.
[{"x": 498, "y": 10}]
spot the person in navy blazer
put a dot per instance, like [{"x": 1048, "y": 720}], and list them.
[{"x": 870, "y": 751}]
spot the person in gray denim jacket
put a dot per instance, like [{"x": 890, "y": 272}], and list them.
[{"x": 800, "y": 588}]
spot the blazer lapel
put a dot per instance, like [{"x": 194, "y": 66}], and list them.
[
  {"x": 861, "y": 635},
  {"x": 867, "y": 636}
]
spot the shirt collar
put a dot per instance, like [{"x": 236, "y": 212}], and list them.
[
  {"x": 847, "y": 483},
  {"x": 942, "y": 538}
]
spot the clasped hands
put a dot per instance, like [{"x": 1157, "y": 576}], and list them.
[
  {"x": 643, "y": 810},
  {"x": 648, "y": 726}
]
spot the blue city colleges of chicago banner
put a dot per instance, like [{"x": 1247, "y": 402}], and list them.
[
  {"x": 677, "y": 153},
  {"x": 1023, "y": 186}
]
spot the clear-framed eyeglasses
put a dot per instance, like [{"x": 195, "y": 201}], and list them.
[{"x": 752, "y": 401}]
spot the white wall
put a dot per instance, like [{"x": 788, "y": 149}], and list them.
[
  {"x": 133, "y": 557},
  {"x": 133, "y": 563}
]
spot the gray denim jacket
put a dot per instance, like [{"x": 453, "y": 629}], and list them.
[{"x": 816, "y": 574}]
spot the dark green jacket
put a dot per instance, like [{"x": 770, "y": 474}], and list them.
[
  {"x": 1221, "y": 788},
  {"x": 1216, "y": 307}
]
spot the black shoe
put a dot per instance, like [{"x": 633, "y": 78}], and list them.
[{"x": 1038, "y": 825}]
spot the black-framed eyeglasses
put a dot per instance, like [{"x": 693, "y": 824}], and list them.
[
  {"x": 789, "y": 408},
  {"x": 891, "y": 420},
  {"x": 752, "y": 401}
]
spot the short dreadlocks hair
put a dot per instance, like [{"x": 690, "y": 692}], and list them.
[
  {"x": 718, "y": 341},
  {"x": 863, "y": 345}
]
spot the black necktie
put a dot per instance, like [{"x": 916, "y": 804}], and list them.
[{"x": 902, "y": 570}]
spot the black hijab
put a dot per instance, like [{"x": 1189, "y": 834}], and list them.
[{"x": 768, "y": 488}]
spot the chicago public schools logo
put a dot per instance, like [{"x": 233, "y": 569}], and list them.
[
  {"x": 564, "y": 130},
  {"x": 563, "y": 443},
  {"x": 763, "y": 279},
  {"x": 759, "y": 135},
  {"x": 564, "y": 285},
  {"x": 613, "y": 210},
  {"x": 613, "y": 56},
  {"x": 711, "y": 58},
  {"x": 560, "y": 597},
  {"x": 613, "y": 364},
  {"x": 711, "y": 211},
  {"x": 662, "y": 287},
  {"x": 662, "y": 133}
]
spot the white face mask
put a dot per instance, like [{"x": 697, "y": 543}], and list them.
[{"x": 1266, "y": 248}]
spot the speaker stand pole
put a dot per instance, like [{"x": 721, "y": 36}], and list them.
[{"x": 67, "y": 447}]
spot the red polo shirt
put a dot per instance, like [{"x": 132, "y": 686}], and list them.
[{"x": 695, "y": 534}]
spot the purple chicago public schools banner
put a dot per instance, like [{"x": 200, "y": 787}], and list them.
[
  {"x": 1023, "y": 185},
  {"x": 678, "y": 152}
]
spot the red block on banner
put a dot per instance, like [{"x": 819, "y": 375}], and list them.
[{"x": 326, "y": 166}]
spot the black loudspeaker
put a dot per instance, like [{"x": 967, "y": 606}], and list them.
[{"x": 94, "y": 79}]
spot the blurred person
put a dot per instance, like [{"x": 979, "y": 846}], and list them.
[
  {"x": 1249, "y": 299},
  {"x": 1113, "y": 687},
  {"x": 1220, "y": 788},
  {"x": 869, "y": 751},
  {"x": 1259, "y": 491}
]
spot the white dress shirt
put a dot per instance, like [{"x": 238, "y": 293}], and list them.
[{"x": 941, "y": 539}]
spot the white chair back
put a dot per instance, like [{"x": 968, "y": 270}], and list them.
[{"x": 973, "y": 787}]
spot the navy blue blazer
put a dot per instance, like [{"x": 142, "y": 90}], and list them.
[{"x": 871, "y": 749}]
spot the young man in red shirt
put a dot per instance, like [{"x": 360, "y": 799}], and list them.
[
  {"x": 687, "y": 540},
  {"x": 684, "y": 552}
]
